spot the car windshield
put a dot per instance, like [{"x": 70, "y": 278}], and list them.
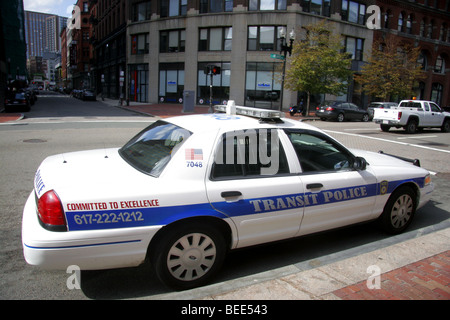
[{"x": 150, "y": 151}]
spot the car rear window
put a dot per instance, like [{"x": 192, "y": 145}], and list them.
[{"x": 151, "y": 150}]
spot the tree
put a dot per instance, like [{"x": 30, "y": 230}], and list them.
[
  {"x": 319, "y": 63},
  {"x": 392, "y": 70}
]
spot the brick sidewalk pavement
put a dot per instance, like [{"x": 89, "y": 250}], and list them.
[
  {"x": 6, "y": 117},
  {"x": 427, "y": 279}
]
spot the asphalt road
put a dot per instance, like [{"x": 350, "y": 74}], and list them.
[{"x": 59, "y": 124}]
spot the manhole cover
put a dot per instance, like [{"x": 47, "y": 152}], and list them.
[{"x": 34, "y": 140}]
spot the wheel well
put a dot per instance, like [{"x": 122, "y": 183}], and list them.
[
  {"x": 414, "y": 188},
  {"x": 218, "y": 223},
  {"x": 413, "y": 118}
]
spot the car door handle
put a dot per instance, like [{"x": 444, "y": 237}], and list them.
[
  {"x": 230, "y": 194},
  {"x": 314, "y": 185}
]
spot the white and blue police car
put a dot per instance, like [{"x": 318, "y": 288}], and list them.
[{"x": 187, "y": 189}]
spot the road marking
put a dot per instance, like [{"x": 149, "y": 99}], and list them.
[
  {"x": 385, "y": 140},
  {"x": 363, "y": 129},
  {"x": 419, "y": 137}
]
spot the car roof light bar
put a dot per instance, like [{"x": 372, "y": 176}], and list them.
[{"x": 232, "y": 109}]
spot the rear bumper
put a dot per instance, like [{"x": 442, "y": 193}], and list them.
[
  {"x": 90, "y": 250},
  {"x": 387, "y": 122}
]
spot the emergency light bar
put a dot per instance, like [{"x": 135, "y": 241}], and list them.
[{"x": 232, "y": 109}]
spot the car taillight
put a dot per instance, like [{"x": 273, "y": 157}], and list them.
[
  {"x": 51, "y": 212},
  {"x": 399, "y": 115},
  {"x": 330, "y": 109}
]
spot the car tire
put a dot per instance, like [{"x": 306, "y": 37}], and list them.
[
  {"x": 446, "y": 126},
  {"x": 384, "y": 128},
  {"x": 340, "y": 117},
  {"x": 411, "y": 126},
  {"x": 188, "y": 256},
  {"x": 398, "y": 211}
]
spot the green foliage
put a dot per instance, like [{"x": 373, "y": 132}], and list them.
[
  {"x": 318, "y": 63},
  {"x": 392, "y": 70}
]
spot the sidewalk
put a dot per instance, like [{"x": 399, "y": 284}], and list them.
[
  {"x": 416, "y": 269},
  {"x": 165, "y": 110},
  {"x": 8, "y": 117}
]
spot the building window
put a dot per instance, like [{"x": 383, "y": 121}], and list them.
[
  {"x": 320, "y": 7},
  {"x": 439, "y": 66},
  {"x": 409, "y": 24},
  {"x": 171, "y": 82},
  {"x": 221, "y": 83},
  {"x": 85, "y": 7},
  {"x": 355, "y": 47},
  {"x": 172, "y": 8},
  {"x": 261, "y": 5},
  {"x": 139, "y": 43},
  {"x": 141, "y": 11},
  {"x": 172, "y": 41},
  {"x": 353, "y": 11},
  {"x": 138, "y": 82},
  {"x": 422, "y": 31},
  {"x": 400, "y": 22},
  {"x": 386, "y": 19},
  {"x": 215, "y": 39},
  {"x": 436, "y": 92},
  {"x": 211, "y": 6},
  {"x": 262, "y": 85},
  {"x": 264, "y": 38}
]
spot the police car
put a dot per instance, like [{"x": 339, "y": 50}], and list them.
[{"x": 186, "y": 190}]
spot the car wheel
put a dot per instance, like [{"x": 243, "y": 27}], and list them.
[
  {"x": 411, "y": 126},
  {"x": 399, "y": 211},
  {"x": 189, "y": 256},
  {"x": 446, "y": 126},
  {"x": 340, "y": 117},
  {"x": 384, "y": 127},
  {"x": 365, "y": 117}
]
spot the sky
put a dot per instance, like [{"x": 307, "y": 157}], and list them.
[{"x": 61, "y": 8}]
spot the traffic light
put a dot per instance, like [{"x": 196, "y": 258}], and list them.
[
  {"x": 215, "y": 70},
  {"x": 212, "y": 70}
]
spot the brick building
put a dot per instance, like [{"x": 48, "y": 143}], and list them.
[
  {"x": 424, "y": 24},
  {"x": 109, "y": 19}
]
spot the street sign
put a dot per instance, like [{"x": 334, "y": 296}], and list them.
[{"x": 277, "y": 56}]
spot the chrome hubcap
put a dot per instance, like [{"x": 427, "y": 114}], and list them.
[
  {"x": 402, "y": 211},
  {"x": 191, "y": 256}
]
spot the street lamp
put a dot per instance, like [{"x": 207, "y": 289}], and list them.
[{"x": 285, "y": 49}]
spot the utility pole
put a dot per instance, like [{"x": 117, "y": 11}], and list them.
[
  {"x": 285, "y": 49},
  {"x": 211, "y": 71}
]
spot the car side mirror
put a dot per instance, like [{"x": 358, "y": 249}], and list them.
[{"x": 360, "y": 164}]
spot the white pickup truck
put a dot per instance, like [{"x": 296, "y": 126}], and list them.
[{"x": 413, "y": 115}]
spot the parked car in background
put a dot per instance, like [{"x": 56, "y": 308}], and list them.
[
  {"x": 17, "y": 101},
  {"x": 31, "y": 95},
  {"x": 341, "y": 111},
  {"x": 88, "y": 95},
  {"x": 413, "y": 116},
  {"x": 381, "y": 105}
]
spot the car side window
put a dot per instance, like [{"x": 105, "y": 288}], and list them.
[
  {"x": 434, "y": 107},
  {"x": 318, "y": 153},
  {"x": 249, "y": 153}
]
